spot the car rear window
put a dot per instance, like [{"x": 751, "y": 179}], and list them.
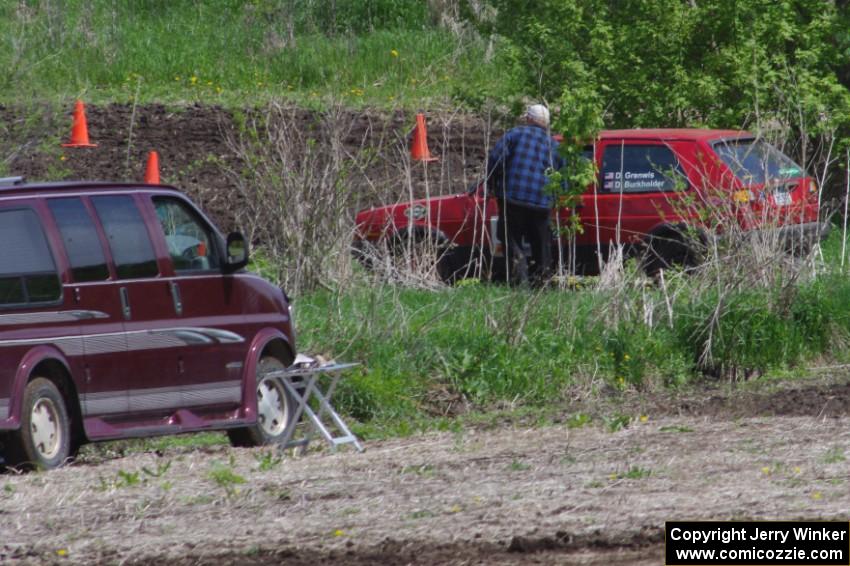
[
  {"x": 755, "y": 162},
  {"x": 28, "y": 272},
  {"x": 640, "y": 168},
  {"x": 128, "y": 237},
  {"x": 82, "y": 245}
]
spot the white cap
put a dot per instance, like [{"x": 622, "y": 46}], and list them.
[{"x": 538, "y": 114}]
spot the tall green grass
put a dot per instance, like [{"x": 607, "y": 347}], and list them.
[
  {"x": 386, "y": 53},
  {"x": 494, "y": 346}
]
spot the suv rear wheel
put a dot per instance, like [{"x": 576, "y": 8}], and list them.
[
  {"x": 44, "y": 439},
  {"x": 275, "y": 409}
]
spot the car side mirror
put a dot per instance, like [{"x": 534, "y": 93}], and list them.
[{"x": 237, "y": 252}]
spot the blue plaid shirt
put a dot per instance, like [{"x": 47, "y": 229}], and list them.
[{"x": 517, "y": 166}]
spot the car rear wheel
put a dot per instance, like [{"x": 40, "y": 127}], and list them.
[
  {"x": 275, "y": 409},
  {"x": 44, "y": 439},
  {"x": 669, "y": 250}
]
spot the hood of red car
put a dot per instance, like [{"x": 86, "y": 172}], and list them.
[{"x": 419, "y": 210}]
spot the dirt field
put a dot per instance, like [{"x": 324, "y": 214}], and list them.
[
  {"x": 497, "y": 495},
  {"x": 195, "y": 156}
]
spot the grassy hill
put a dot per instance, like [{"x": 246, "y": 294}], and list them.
[{"x": 384, "y": 53}]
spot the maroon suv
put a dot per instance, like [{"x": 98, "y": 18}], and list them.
[{"x": 125, "y": 313}]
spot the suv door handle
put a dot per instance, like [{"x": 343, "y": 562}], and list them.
[
  {"x": 175, "y": 296},
  {"x": 125, "y": 302}
]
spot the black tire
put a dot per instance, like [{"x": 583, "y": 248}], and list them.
[
  {"x": 275, "y": 409},
  {"x": 668, "y": 250},
  {"x": 44, "y": 439}
]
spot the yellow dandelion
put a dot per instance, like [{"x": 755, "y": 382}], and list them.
[
  {"x": 194, "y": 79},
  {"x": 394, "y": 52},
  {"x": 62, "y": 158},
  {"x": 797, "y": 469},
  {"x": 62, "y": 552},
  {"x": 644, "y": 418},
  {"x": 218, "y": 89},
  {"x": 177, "y": 78},
  {"x": 339, "y": 533},
  {"x": 765, "y": 470},
  {"x": 626, "y": 357},
  {"x": 612, "y": 477},
  {"x": 817, "y": 495},
  {"x": 455, "y": 509}
]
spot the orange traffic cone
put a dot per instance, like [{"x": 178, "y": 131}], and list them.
[
  {"x": 419, "y": 150},
  {"x": 79, "y": 130},
  {"x": 152, "y": 169}
]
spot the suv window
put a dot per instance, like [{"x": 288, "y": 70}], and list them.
[
  {"x": 28, "y": 273},
  {"x": 82, "y": 244},
  {"x": 128, "y": 237},
  {"x": 640, "y": 169},
  {"x": 189, "y": 240}
]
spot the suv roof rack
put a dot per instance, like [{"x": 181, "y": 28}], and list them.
[{"x": 11, "y": 181}]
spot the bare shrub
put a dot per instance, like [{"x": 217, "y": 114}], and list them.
[
  {"x": 295, "y": 205},
  {"x": 302, "y": 176},
  {"x": 420, "y": 254}
]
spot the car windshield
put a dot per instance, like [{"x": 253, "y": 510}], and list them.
[{"x": 756, "y": 162}]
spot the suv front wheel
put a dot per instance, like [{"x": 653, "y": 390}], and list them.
[{"x": 275, "y": 409}]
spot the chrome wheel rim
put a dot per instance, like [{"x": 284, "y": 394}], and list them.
[
  {"x": 45, "y": 429},
  {"x": 272, "y": 409}
]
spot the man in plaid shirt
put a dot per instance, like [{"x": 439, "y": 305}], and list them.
[{"x": 517, "y": 175}]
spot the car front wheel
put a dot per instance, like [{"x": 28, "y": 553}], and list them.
[{"x": 275, "y": 409}]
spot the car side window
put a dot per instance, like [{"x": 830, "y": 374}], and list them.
[
  {"x": 88, "y": 262},
  {"x": 637, "y": 168},
  {"x": 132, "y": 250},
  {"x": 190, "y": 242},
  {"x": 28, "y": 272}
]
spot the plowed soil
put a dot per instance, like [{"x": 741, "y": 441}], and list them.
[
  {"x": 505, "y": 494},
  {"x": 195, "y": 156}
]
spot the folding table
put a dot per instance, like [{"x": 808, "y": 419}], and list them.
[{"x": 307, "y": 379}]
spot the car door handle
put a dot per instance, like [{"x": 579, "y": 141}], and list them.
[
  {"x": 125, "y": 302},
  {"x": 175, "y": 296}
]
